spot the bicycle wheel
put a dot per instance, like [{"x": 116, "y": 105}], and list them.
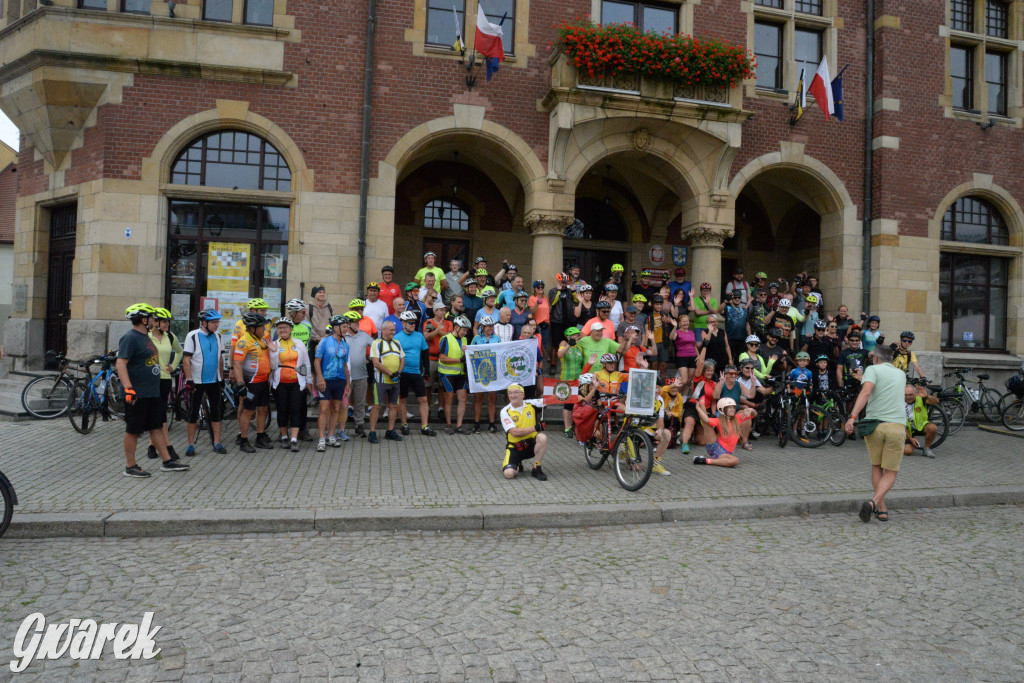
[
  {"x": 955, "y": 413},
  {"x": 47, "y": 397},
  {"x": 782, "y": 427},
  {"x": 810, "y": 427},
  {"x": 115, "y": 396},
  {"x": 592, "y": 452},
  {"x": 204, "y": 419},
  {"x": 937, "y": 416},
  {"x": 838, "y": 437},
  {"x": 633, "y": 459},
  {"x": 171, "y": 410},
  {"x": 82, "y": 413},
  {"x": 1005, "y": 400},
  {"x": 989, "y": 401},
  {"x": 1013, "y": 416},
  {"x": 8, "y": 511}
]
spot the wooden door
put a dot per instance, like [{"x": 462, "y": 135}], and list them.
[{"x": 63, "y": 228}]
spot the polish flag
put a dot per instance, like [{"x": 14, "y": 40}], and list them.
[
  {"x": 821, "y": 88},
  {"x": 488, "y": 36}
]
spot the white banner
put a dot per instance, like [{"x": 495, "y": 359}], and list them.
[{"x": 492, "y": 367}]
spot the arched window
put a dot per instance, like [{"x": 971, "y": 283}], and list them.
[
  {"x": 232, "y": 158},
  {"x": 973, "y": 284},
  {"x": 445, "y": 214}
]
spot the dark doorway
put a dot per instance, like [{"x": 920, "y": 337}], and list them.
[
  {"x": 446, "y": 250},
  {"x": 595, "y": 264},
  {"x": 63, "y": 228}
]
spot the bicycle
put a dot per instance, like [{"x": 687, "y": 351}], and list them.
[
  {"x": 937, "y": 414},
  {"x": 983, "y": 399},
  {"x": 49, "y": 397},
  {"x": 775, "y": 410},
  {"x": 630, "y": 446},
  {"x": 90, "y": 397},
  {"x": 810, "y": 425},
  {"x": 10, "y": 499},
  {"x": 835, "y": 407},
  {"x": 1012, "y": 416}
]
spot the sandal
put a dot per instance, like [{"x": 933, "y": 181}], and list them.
[
  {"x": 866, "y": 508},
  {"x": 747, "y": 447},
  {"x": 882, "y": 515}
]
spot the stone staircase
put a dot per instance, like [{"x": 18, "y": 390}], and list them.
[{"x": 11, "y": 385}]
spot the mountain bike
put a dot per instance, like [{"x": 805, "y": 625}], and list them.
[
  {"x": 10, "y": 499},
  {"x": 834, "y": 406},
  {"x": 810, "y": 425},
  {"x": 49, "y": 397},
  {"x": 90, "y": 396},
  {"x": 775, "y": 410},
  {"x": 625, "y": 441},
  {"x": 937, "y": 414}
]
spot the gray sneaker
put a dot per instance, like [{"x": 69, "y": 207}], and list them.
[
  {"x": 343, "y": 436},
  {"x": 175, "y": 466},
  {"x": 927, "y": 452},
  {"x": 321, "y": 445},
  {"x": 332, "y": 442}
]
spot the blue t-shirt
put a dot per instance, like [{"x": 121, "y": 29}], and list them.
[
  {"x": 505, "y": 299},
  {"x": 736, "y": 393},
  {"x": 413, "y": 344},
  {"x": 483, "y": 313},
  {"x": 483, "y": 339},
  {"x": 333, "y": 355},
  {"x": 735, "y": 322},
  {"x": 808, "y": 326},
  {"x": 518, "y": 320},
  {"x": 801, "y": 377},
  {"x": 674, "y": 287}
]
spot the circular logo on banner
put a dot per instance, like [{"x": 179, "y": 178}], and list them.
[
  {"x": 562, "y": 391},
  {"x": 516, "y": 365},
  {"x": 657, "y": 255}
]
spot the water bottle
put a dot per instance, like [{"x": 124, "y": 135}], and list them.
[
  {"x": 974, "y": 393},
  {"x": 101, "y": 386}
]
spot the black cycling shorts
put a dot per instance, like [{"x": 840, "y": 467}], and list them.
[
  {"x": 516, "y": 453},
  {"x": 260, "y": 395},
  {"x": 212, "y": 392},
  {"x": 409, "y": 381},
  {"x": 452, "y": 382}
]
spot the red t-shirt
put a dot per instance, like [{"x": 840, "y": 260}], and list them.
[
  {"x": 703, "y": 390},
  {"x": 434, "y": 345},
  {"x": 629, "y": 358},
  {"x": 543, "y": 313},
  {"x": 388, "y": 293},
  {"x": 728, "y": 442}
]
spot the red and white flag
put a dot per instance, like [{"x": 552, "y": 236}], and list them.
[
  {"x": 821, "y": 88},
  {"x": 560, "y": 391},
  {"x": 488, "y": 36}
]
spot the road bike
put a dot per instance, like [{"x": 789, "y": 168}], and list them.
[
  {"x": 624, "y": 440},
  {"x": 49, "y": 396},
  {"x": 10, "y": 499},
  {"x": 91, "y": 395}
]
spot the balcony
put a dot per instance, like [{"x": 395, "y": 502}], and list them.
[{"x": 60, "y": 63}]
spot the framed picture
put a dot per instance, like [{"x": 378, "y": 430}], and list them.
[{"x": 641, "y": 392}]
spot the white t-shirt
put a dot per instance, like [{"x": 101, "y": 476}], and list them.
[
  {"x": 745, "y": 383},
  {"x": 376, "y": 311},
  {"x": 615, "y": 315}
]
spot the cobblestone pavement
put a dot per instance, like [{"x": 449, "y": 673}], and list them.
[
  {"x": 55, "y": 469},
  {"x": 932, "y": 595}
]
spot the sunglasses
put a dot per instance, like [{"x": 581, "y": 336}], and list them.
[
  {"x": 753, "y": 343},
  {"x": 907, "y": 341}
]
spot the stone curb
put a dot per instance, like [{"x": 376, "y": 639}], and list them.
[{"x": 202, "y": 522}]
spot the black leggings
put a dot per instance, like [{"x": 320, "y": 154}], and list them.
[
  {"x": 212, "y": 391},
  {"x": 291, "y": 405}
]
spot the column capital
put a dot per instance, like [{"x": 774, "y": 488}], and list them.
[
  {"x": 707, "y": 235},
  {"x": 547, "y": 224}
]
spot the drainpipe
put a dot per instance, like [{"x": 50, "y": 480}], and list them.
[
  {"x": 364, "y": 163},
  {"x": 869, "y": 175}
]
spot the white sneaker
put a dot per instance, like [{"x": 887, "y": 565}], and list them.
[
  {"x": 332, "y": 442},
  {"x": 321, "y": 445}
]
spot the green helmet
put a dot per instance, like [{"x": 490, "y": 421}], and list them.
[
  {"x": 617, "y": 268},
  {"x": 139, "y": 311},
  {"x": 571, "y": 331},
  {"x": 163, "y": 314},
  {"x": 257, "y": 303},
  {"x": 803, "y": 355},
  {"x": 353, "y": 316}
]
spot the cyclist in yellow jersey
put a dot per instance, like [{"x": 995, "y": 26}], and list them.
[
  {"x": 250, "y": 362},
  {"x": 255, "y": 306},
  {"x": 524, "y": 441}
]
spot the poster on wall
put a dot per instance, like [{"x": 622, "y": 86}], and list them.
[
  {"x": 272, "y": 295},
  {"x": 274, "y": 266},
  {"x": 659, "y": 276},
  {"x": 227, "y": 278},
  {"x": 181, "y": 306}
]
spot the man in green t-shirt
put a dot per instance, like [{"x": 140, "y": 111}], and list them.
[
  {"x": 595, "y": 344},
  {"x": 429, "y": 267},
  {"x": 701, "y": 306}
]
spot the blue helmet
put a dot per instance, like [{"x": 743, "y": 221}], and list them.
[{"x": 210, "y": 314}]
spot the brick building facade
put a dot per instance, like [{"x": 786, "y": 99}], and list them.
[{"x": 128, "y": 119}]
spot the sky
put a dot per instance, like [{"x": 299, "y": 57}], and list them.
[{"x": 8, "y": 132}]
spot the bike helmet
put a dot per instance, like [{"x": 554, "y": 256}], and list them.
[
  {"x": 811, "y": 299},
  {"x": 617, "y": 268},
  {"x": 820, "y": 325},
  {"x": 803, "y": 355},
  {"x": 257, "y": 303},
  {"x": 821, "y": 357},
  {"x": 163, "y": 314},
  {"x": 632, "y": 327},
  {"x": 411, "y": 286},
  {"x": 356, "y": 303},
  {"x": 253, "y": 320},
  {"x": 875, "y": 318},
  {"x": 439, "y": 304},
  {"x": 387, "y": 269},
  {"x": 639, "y": 299},
  {"x": 609, "y": 358},
  {"x": 538, "y": 283},
  {"x": 907, "y": 334},
  {"x": 761, "y": 275},
  {"x": 339, "y": 319},
  {"x": 408, "y": 317},
  {"x": 429, "y": 253},
  {"x": 210, "y": 314},
  {"x": 561, "y": 277},
  {"x": 571, "y": 331},
  {"x": 657, "y": 299},
  {"x": 481, "y": 272},
  {"x": 785, "y": 303},
  {"x": 137, "y": 312},
  {"x": 611, "y": 288},
  {"x": 586, "y": 288},
  {"x": 373, "y": 285},
  {"x": 773, "y": 284},
  {"x": 479, "y": 260},
  {"x": 587, "y": 378},
  {"x": 295, "y": 305},
  {"x": 520, "y": 295},
  {"x": 488, "y": 320},
  {"x": 489, "y": 292},
  {"x": 753, "y": 339},
  {"x": 463, "y": 321},
  {"x": 511, "y": 266},
  {"x": 705, "y": 285},
  {"x": 775, "y": 332},
  {"x": 645, "y": 272},
  {"x": 603, "y": 305},
  {"x": 724, "y": 403},
  {"x": 354, "y": 317},
  {"x": 284, "y": 321},
  {"x": 680, "y": 271}
]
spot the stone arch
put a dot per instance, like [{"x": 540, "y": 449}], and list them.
[
  {"x": 834, "y": 198},
  {"x": 982, "y": 187},
  {"x": 156, "y": 168}
]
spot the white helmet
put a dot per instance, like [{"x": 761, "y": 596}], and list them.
[
  {"x": 753, "y": 339},
  {"x": 585, "y": 288},
  {"x": 463, "y": 321},
  {"x": 724, "y": 403},
  {"x": 295, "y": 305},
  {"x": 785, "y": 302},
  {"x": 408, "y": 317},
  {"x": 486, "y": 320},
  {"x": 587, "y": 378}
]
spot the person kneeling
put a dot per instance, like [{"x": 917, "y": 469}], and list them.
[
  {"x": 727, "y": 424},
  {"x": 519, "y": 419},
  {"x": 918, "y": 424}
]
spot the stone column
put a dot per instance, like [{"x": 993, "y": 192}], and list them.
[
  {"x": 548, "y": 232},
  {"x": 706, "y": 255}
]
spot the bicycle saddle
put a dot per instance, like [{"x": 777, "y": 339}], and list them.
[{"x": 983, "y": 377}]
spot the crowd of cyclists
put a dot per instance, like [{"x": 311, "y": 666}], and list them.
[{"x": 717, "y": 360}]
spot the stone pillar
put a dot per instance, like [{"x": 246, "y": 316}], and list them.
[
  {"x": 706, "y": 255},
  {"x": 548, "y": 232}
]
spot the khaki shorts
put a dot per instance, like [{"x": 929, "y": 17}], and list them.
[{"x": 885, "y": 445}]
